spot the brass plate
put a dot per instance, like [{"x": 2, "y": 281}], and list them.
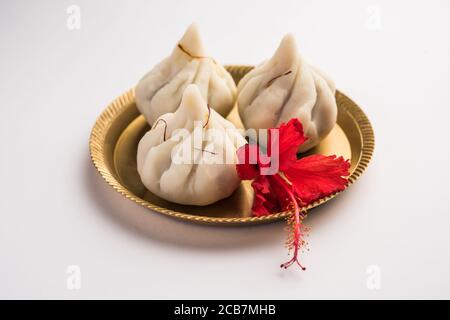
[{"x": 115, "y": 136}]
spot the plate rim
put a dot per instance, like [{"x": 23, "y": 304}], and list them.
[{"x": 114, "y": 109}]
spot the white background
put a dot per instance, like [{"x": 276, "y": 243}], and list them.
[{"x": 391, "y": 57}]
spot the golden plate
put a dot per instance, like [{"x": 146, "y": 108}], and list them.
[{"x": 115, "y": 136}]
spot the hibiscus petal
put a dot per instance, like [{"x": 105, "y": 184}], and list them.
[
  {"x": 318, "y": 176},
  {"x": 271, "y": 195},
  {"x": 247, "y": 166},
  {"x": 285, "y": 145},
  {"x": 264, "y": 201}
]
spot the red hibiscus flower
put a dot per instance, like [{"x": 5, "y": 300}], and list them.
[{"x": 282, "y": 182}]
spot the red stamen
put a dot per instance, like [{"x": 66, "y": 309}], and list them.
[{"x": 296, "y": 228}]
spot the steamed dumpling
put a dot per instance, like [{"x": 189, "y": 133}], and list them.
[
  {"x": 287, "y": 87},
  {"x": 160, "y": 90},
  {"x": 189, "y": 156}
]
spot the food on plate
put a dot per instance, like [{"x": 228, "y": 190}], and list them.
[
  {"x": 160, "y": 90},
  {"x": 287, "y": 87},
  {"x": 189, "y": 156}
]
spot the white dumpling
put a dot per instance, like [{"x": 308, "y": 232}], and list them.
[
  {"x": 160, "y": 90},
  {"x": 287, "y": 87},
  {"x": 204, "y": 140}
]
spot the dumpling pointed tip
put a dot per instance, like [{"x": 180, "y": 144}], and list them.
[
  {"x": 191, "y": 91},
  {"x": 288, "y": 43},
  {"x": 192, "y": 98},
  {"x": 192, "y": 28},
  {"x": 191, "y": 41},
  {"x": 287, "y": 50},
  {"x": 288, "y": 39}
]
